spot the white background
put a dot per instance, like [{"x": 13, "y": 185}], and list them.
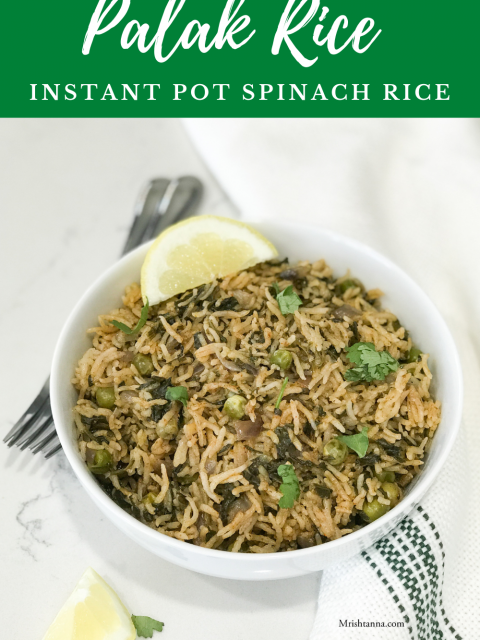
[{"x": 67, "y": 191}]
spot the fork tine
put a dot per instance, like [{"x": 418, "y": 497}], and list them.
[
  {"x": 28, "y": 415},
  {"x": 161, "y": 205},
  {"x": 41, "y": 432},
  {"x": 36, "y": 427},
  {"x": 146, "y": 208},
  {"x": 165, "y": 202},
  {"x": 53, "y": 451},
  {"x": 181, "y": 201},
  {"x": 25, "y": 430},
  {"x": 43, "y": 443}
]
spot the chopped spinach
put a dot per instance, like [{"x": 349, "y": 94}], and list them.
[
  {"x": 356, "y": 336},
  {"x": 120, "y": 500},
  {"x": 289, "y": 274},
  {"x": 160, "y": 391},
  {"x": 323, "y": 491},
  {"x": 187, "y": 480},
  {"x": 300, "y": 283},
  {"x": 284, "y": 441},
  {"x": 257, "y": 337},
  {"x": 368, "y": 461},
  {"x": 225, "y": 449},
  {"x": 157, "y": 387},
  {"x": 158, "y": 411},
  {"x": 251, "y": 472},
  {"x": 309, "y": 431},
  {"x": 228, "y": 304},
  {"x": 332, "y": 352},
  {"x": 225, "y": 490},
  {"x": 391, "y": 449},
  {"x": 199, "y": 340},
  {"x": 150, "y": 384},
  {"x": 95, "y": 422}
]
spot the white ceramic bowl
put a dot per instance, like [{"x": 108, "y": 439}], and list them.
[{"x": 403, "y": 297}]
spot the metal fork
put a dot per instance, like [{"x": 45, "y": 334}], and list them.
[{"x": 162, "y": 203}]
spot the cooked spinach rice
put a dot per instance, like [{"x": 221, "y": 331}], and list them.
[{"x": 275, "y": 409}]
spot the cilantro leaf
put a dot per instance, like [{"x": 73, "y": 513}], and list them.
[
  {"x": 276, "y": 288},
  {"x": 140, "y": 323},
  {"x": 290, "y": 486},
  {"x": 177, "y": 393},
  {"x": 373, "y": 364},
  {"x": 145, "y": 626},
  {"x": 357, "y": 443},
  {"x": 355, "y": 352},
  {"x": 288, "y": 301},
  {"x": 355, "y": 375}
]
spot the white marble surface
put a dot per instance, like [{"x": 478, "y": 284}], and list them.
[{"x": 67, "y": 189}]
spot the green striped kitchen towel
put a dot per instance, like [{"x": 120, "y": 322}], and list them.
[{"x": 408, "y": 585}]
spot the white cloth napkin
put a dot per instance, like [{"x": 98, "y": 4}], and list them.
[{"x": 410, "y": 189}]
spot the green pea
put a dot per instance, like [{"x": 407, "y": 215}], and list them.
[
  {"x": 414, "y": 354},
  {"x": 143, "y": 364},
  {"x": 392, "y": 491},
  {"x": 149, "y": 498},
  {"x": 282, "y": 358},
  {"x": 168, "y": 431},
  {"x": 347, "y": 284},
  {"x": 335, "y": 451},
  {"x": 374, "y": 509},
  {"x": 102, "y": 462},
  {"x": 386, "y": 476},
  {"x": 105, "y": 397},
  {"x": 234, "y": 407}
]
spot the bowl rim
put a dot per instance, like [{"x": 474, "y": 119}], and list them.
[{"x": 127, "y": 522}]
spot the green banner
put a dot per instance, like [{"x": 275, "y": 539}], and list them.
[{"x": 248, "y": 58}]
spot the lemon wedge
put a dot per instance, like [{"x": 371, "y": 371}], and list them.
[
  {"x": 92, "y": 612},
  {"x": 197, "y": 250}
]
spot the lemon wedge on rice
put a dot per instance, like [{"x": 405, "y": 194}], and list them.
[
  {"x": 92, "y": 612},
  {"x": 197, "y": 250}
]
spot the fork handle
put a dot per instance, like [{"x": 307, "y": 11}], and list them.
[{"x": 162, "y": 203}]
